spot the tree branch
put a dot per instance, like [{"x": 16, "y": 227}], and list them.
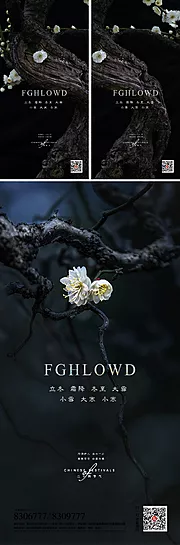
[
  {"x": 122, "y": 70},
  {"x": 100, "y": 9},
  {"x": 123, "y": 430},
  {"x": 19, "y": 246},
  {"x": 72, "y": 144},
  {"x": 61, "y": 70},
  {"x": 37, "y": 10},
  {"x": 124, "y": 206}
]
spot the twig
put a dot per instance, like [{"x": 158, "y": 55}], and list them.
[
  {"x": 124, "y": 206},
  {"x": 102, "y": 330},
  {"x": 123, "y": 431},
  {"x": 27, "y": 437}
]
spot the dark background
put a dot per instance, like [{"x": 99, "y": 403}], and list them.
[
  {"x": 19, "y": 126},
  {"x": 162, "y": 60},
  {"x": 144, "y": 330}
]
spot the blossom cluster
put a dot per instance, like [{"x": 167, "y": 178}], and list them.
[
  {"x": 57, "y": 29},
  {"x": 80, "y": 289},
  {"x": 4, "y": 43},
  {"x": 11, "y": 80},
  {"x": 171, "y": 17},
  {"x": 39, "y": 56},
  {"x": 5, "y": 31}
]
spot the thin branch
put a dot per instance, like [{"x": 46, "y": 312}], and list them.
[
  {"x": 26, "y": 340},
  {"x": 76, "y": 340},
  {"x": 58, "y": 316},
  {"x": 39, "y": 309},
  {"x": 73, "y": 332},
  {"x": 125, "y": 438},
  {"x": 102, "y": 330},
  {"x": 125, "y": 206},
  {"x": 27, "y": 437},
  {"x": 123, "y": 431}
]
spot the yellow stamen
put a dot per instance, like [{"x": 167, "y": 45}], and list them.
[
  {"x": 76, "y": 285},
  {"x": 101, "y": 290}
]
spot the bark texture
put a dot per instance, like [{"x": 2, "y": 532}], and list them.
[
  {"x": 61, "y": 70},
  {"x": 122, "y": 70}
]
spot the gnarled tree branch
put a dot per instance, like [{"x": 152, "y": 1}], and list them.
[
  {"x": 61, "y": 70},
  {"x": 19, "y": 246},
  {"x": 122, "y": 70}
]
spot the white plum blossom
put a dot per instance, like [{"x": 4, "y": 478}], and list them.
[
  {"x": 100, "y": 290},
  {"x": 133, "y": 27},
  {"x": 2, "y": 89},
  {"x": 80, "y": 290},
  {"x": 99, "y": 56},
  {"x": 156, "y": 29},
  {"x": 40, "y": 56},
  {"x": 56, "y": 29},
  {"x": 115, "y": 29},
  {"x": 14, "y": 77},
  {"x": 158, "y": 2},
  {"x": 11, "y": 80},
  {"x": 171, "y": 17},
  {"x": 148, "y": 2},
  {"x": 156, "y": 10},
  {"x": 77, "y": 285}
]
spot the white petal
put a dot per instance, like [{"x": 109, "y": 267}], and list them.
[
  {"x": 107, "y": 295},
  {"x": 83, "y": 273},
  {"x": 96, "y": 299},
  {"x": 94, "y": 284},
  {"x": 87, "y": 281},
  {"x": 64, "y": 280},
  {"x": 79, "y": 303},
  {"x": 72, "y": 273}
]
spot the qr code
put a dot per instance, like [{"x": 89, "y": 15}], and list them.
[
  {"x": 168, "y": 166},
  {"x": 76, "y": 166},
  {"x": 155, "y": 518}
]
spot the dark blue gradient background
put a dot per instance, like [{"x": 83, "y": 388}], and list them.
[{"x": 144, "y": 330}]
